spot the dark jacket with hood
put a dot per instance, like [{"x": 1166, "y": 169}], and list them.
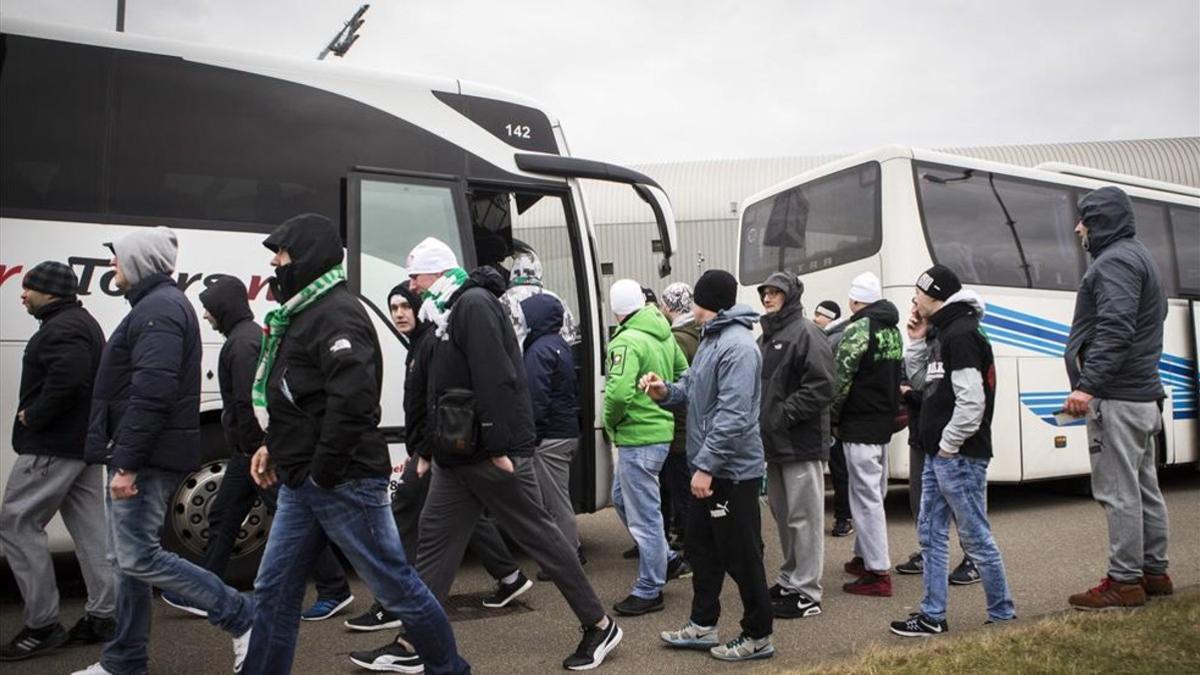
[
  {"x": 477, "y": 379},
  {"x": 57, "y": 373},
  {"x": 867, "y": 367},
  {"x": 797, "y": 379},
  {"x": 146, "y": 401},
  {"x": 1117, "y": 333},
  {"x": 416, "y": 365},
  {"x": 323, "y": 390},
  {"x": 550, "y": 369},
  {"x": 687, "y": 336},
  {"x": 226, "y": 301}
]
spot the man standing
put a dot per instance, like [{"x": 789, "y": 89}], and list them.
[
  {"x": 797, "y": 385},
  {"x": 828, "y": 316},
  {"x": 827, "y": 312},
  {"x": 145, "y": 425},
  {"x": 675, "y": 478},
  {"x": 865, "y": 401},
  {"x": 950, "y": 361},
  {"x": 1112, "y": 360},
  {"x": 50, "y": 475},
  {"x": 481, "y": 435},
  {"x": 722, "y": 391},
  {"x": 642, "y": 432}
]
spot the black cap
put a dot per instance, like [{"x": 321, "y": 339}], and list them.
[
  {"x": 939, "y": 282},
  {"x": 716, "y": 290},
  {"x": 411, "y": 297},
  {"x": 648, "y": 293},
  {"x": 829, "y": 309}
]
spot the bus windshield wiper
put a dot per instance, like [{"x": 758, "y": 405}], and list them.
[{"x": 1012, "y": 227}]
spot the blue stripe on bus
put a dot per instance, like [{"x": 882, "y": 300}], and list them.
[
  {"x": 1028, "y": 331},
  {"x": 1028, "y": 318}
]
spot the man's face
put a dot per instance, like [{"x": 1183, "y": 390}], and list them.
[
  {"x": 772, "y": 299},
  {"x": 703, "y": 315},
  {"x": 281, "y": 258},
  {"x": 1081, "y": 231},
  {"x": 119, "y": 279},
  {"x": 422, "y": 282},
  {"x": 402, "y": 314},
  {"x": 34, "y": 300},
  {"x": 925, "y": 304},
  {"x": 820, "y": 319}
]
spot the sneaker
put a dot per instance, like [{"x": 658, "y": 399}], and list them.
[
  {"x": 635, "y": 606},
  {"x": 991, "y": 622},
  {"x": 871, "y": 584},
  {"x": 631, "y": 554},
  {"x": 91, "y": 630},
  {"x": 323, "y": 609},
  {"x": 241, "y": 645},
  {"x": 855, "y": 567},
  {"x": 691, "y": 636},
  {"x": 778, "y": 592},
  {"x": 179, "y": 603},
  {"x": 94, "y": 669},
  {"x": 744, "y": 648},
  {"x": 376, "y": 618},
  {"x": 965, "y": 574},
  {"x": 595, "y": 644},
  {"x": 843, "y": 527},
  {"x": 795, "y": 606},
  {"x": 506, "y": 593},
  {"x": 678, "y": 568},
  {"x": 1157, "y": 585},
  {"x": 30, "y": 642},
  {"x": 919, "y": 625},
  {"x": 397, "y": 656},
  {"x": 1109, "y": 595},
  {"x": 914, "y": 565}
]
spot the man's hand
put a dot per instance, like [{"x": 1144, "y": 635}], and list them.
[
  {"x": 1077, "y": 403},
  {"x": 653, "y": 386},
  {"x": 21, "y": 418},
  {"x": 123, "y": 485},
  {"x": 262, "y": 469},
  {"x": 422, "y": 466},
  {"x": 701, "y": 484},
  {"x": 917, "y": 327},
  {"x": 504, "y": 464},
  {"x": 946, "y": 455}
]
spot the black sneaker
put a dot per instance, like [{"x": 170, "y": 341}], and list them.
[
  {"x": 635, "y": 606},
  {"x": 914, "y": 565},
  {"x": 595, "y": 644},
  {"x": 843, "y": 527},
  {"x": 778, "y": 592},
  {"x": 506, "y": 593},
  {"x": 394, "y": 657},
  {"x": 678, "y": 568},
  {"x": 631, "y": 554},
  {"x": 30, "y": 642},
  {"x": 376, "y": 618},
  {"x": 795, "y": 606},
  {"x": 965, "y": 574},
  {"x": 92, "y": 630},
  {"x": 991, "y": 622},
  {"x": 919, "y": 625}
]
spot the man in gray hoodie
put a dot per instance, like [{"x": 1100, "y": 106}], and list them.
[{"x": 723, "y": 392}]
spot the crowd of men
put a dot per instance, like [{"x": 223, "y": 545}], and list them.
[{"x": 697, "y": 405}]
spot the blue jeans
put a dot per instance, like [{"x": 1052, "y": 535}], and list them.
[
  {"x": 636, "y": 496},
  {"x": 957, "y": 487},
  {"x": 139, "y": 563},
  {"x": 357, "y": 516}
]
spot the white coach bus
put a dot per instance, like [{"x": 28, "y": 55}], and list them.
[
  {"x": 102, "y": 133},
  {"x": 1008, "y": 233}
]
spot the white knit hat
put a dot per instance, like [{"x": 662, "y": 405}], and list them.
[
  {"x": 431, "y": 256},
  {"x": 625, "y": 297},
  {"x": 866, "y": 288}
]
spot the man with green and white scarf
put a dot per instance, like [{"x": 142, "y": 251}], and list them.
[{"x": 317, "y": 393}]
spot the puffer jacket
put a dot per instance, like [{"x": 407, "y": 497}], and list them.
[
  {"x": 641, "y": 344},
  {"x": 1116, "y": 337}
]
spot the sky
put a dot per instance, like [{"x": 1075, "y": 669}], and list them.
[{"x": 669, "y": 80}]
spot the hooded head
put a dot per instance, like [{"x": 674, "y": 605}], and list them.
[
  {"x": 405, "y": 320},
  {"x": 314, "y": 246},
  {"x": 225, "y": 300},
  {"x": 543, "y": 316},
  {"x": 526, "y": 269},
  {"x": 1107, "y": 215},
  {"x": 789, "y": 306},
  {"x": 145, "y": 252}
]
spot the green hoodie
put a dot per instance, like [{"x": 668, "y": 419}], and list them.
[{"x": 641, "y": 344}]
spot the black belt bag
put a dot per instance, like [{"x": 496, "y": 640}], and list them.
[{"x": 455, "y": 427}]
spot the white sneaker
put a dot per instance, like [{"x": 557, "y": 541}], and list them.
[
  {"x": 94, "y": 669},
  {"x": 241, "y": 645}
]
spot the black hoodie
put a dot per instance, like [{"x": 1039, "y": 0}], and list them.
[
  {"x": 868, "y": 365},
  {"x": 1117, "y": 334},
  {"x": 323, "y": 392},
  {"x": 550, "y": 369},
  {"x": 226, "y": 301}
]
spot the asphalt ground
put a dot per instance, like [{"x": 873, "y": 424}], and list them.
[{"x": 1054, "y": 543}]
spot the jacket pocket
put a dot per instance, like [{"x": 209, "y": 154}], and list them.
[{"x": 455, "y": 427}]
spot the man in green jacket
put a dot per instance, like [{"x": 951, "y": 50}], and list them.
[{"x": 642, "y": 432}]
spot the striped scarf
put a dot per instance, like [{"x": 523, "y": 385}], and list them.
[
  {"x": 276, "y": 324},
  {"x": 438, "y": 296}
]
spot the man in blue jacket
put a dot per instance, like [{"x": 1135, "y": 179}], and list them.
[{"x": 145, "y": 425}]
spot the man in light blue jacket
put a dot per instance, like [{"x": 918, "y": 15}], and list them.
[{"x": 722, "y": 391}]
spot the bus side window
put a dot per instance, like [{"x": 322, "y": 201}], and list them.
[
  {"x": 1185, "y": 223},
  {"x": 1150, "y": 220}
]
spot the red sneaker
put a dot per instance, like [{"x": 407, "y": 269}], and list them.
[
  {"x": 1157, "y": 585},
  {"x": 855, "y": 567},
  {"x": 872, "y": 584},
  {"x": 1109, "y": 595}
]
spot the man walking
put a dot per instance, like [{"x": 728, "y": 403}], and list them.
[
  {"x": 797, "y": 385},
  {"x": 865, "y": 401},
  {"x": 145, "y": 425},
  {"x": 49, "y": 474},
  {"x": 722, "y": 391},
  {"x": 950, "y": 361},
  {"x": 1112, "y": 360},
  {"x": 675, "y": 478},
  {"x": 642, "y": 432}
]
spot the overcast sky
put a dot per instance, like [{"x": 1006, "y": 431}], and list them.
[{"x": 635, "y": 81}]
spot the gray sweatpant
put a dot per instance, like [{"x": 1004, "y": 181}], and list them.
[
  {"x": 1125, "y": 481},
  {"x": 866, "y": 465},
  {"x": 552, "y": 463},
  {"x": 796, "y": 493},
  {"x": 39, "y": 487}
]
